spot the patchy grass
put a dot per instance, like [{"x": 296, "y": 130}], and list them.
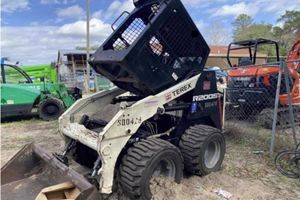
[
  {"x": 241, "y": 162},
  {"x": 259, "y": 139},
  {"x": 25, "y": 139},
  {"x": 11, "y": 146},
  {"x": 14, "y": 135}
]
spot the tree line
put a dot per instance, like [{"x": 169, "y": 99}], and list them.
[{"x": 244, "y": 28}]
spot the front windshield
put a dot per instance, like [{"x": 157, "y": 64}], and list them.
[{"x": 12, "y": 76}]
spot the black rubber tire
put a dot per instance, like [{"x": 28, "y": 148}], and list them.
[
  {"x": 57, "y": 104},
  {"x": 193, "y": 144},
  {"x": 265, "y": 118},
  {"x": 84, "y": 155},
  {"x": 139, "y": 163}
]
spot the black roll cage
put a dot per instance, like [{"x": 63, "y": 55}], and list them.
[{"x": 249, "y": 44}]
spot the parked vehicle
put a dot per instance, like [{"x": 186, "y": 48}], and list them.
[
  {"x": 255, "y": 87},
  {"x": 220, "y": 75},
  {"x": 20, "y": 93}
]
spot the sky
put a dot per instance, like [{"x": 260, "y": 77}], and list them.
[{"x": 32, "y": 31}]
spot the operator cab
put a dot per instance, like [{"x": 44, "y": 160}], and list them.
[
  {"x": 252, "y": 45},
  {"x": 12, "y": 74}
]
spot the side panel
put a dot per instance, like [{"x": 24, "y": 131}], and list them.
[
  {"x": 40, "y": 87},
  {"x": 17, "y": 100},
  {"x": 17, "y": 95},
  {"x": 57, "y": 89},
  {"x": 206, "y": 102},
  {"x": 12, "y": 110}
]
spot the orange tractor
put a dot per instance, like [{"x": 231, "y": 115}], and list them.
[{"x": 251, "y": 88}]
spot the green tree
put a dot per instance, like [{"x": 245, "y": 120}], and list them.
[
  {"x": 291, "y": 21},
  {"x": 242, "y": 24},
  {"x": 289, "y": 31},
  {"x": 246, "y": 29}
]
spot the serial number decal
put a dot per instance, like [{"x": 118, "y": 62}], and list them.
[
  {"x": 205, "y": 97},
  {"x": 151, "y": 103},
  {"x": 211, "y": 104},
  {"x": 129, "y": 121}
]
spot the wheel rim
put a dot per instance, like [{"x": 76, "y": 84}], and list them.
[
  {"x": 165, "y": 167},
  {"x": 50, "y": 110},
  {"x": 212, "y": 154}
]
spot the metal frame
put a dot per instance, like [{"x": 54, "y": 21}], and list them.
[
  {"x": 283, "y": 67},
  {"x": 248, "y": 44},
  {"x": 110, "y": 142},
  {"x": 164, "y": 35},
  {"x": 16, "y": 68}
]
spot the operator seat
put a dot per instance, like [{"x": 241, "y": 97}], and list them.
[{"x": 245, "y": 61}]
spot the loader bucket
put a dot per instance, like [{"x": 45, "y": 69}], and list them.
[{"x": 34, "y": 173}]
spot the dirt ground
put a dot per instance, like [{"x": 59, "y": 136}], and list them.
[
  {"x": 244, "y": 174},
  {"x": 14, "y": 135}
]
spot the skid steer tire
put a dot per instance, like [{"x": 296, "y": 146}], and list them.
[
  {"x": 147, "y": 158},
  {"x": 203, "y": 149},
  {"x": 84, "y": 155},
  {"x": 50, "y": 109}
]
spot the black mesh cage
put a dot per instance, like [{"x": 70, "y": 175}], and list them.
[{"x": 157, "y": 46}]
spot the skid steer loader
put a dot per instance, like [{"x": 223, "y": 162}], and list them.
[{"x": 164, "y": 116}]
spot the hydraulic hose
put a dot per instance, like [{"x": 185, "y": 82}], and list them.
[{"x": 290, "y": 159}]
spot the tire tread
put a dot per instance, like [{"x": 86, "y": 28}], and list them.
[
  {"x": 57, "y": 101},
  {"x": 132, "y": 169},
  {"x": 191, "y": 145}
]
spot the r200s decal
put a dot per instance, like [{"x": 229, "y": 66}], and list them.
[{"x": 205, "y": 97}]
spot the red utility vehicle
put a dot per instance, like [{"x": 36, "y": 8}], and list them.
[{"x": 251, "y": 88}]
